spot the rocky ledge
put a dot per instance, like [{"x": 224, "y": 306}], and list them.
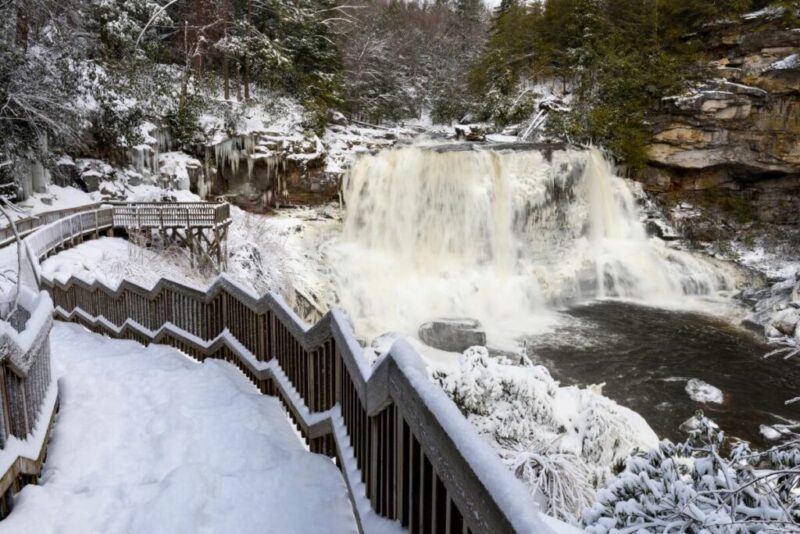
[{"x": 740, "y": 130}]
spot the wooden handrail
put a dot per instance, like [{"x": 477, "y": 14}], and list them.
[
  {"x": 404, "y": 448},
  {"x": 26, "y": 225},
  {"x": 28, "y": 395}
]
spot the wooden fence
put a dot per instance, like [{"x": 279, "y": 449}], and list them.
[
  {"x": 144, "y": 215},
  {"x": 407, "y": 454},
  {"x": 129, "y": 214},
  {"x": 26, "y": 225},
  {"x": 28, "y": 398}
]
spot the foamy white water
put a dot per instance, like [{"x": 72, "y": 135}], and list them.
[{"x": 503, "y": 236}]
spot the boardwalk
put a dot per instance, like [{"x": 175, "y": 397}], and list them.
[
  {"x": 408, "y": 456},
  {"x": 149, "y": 441}
]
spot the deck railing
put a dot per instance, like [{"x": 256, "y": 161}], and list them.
[
  {"x": 163, "y": 214},
  {"x": 409, "y": 457}
]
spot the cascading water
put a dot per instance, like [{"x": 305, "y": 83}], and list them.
[{"x": 503, "y": 236}]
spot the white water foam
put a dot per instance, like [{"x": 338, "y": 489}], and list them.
[{"x": 503, "y": 236}]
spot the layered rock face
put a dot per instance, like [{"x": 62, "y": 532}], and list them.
[{"x": 741, "y": 130}]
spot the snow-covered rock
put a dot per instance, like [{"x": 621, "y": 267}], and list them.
[
  {"x": 179, "y": 171},
  {"x": 786, "y": 320},
  {"x": 791, "y": 61},
  {"x": 704, "y": 392},
  {"x": 771, "y": 332},
  {"x": 770, "y": 433}
]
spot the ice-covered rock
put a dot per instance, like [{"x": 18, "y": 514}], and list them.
[
  {"x": 770, "y": 433},
  {"x": 786, "y": 320},
  {"x": 695, "y": 422},
  {"x": 704, "y": 392},
  {"x": 453, "y": 334},
  {"x": 93, "y": 173},
  {"x": 179, "y": 171}
]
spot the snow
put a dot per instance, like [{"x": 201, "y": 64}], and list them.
[
  {"x": 110, "y": 260},
  {"x": 31, "y": 445},
  {"x": 55, "y": 198},
  {"x": 346, "y": 142},
  {"x": 40, "y": 306},
  {"x": 769, "y": 12},
  {"x": 524, "y": 515},
  {"x": 149, "y": 441},
  {"x": 770, "y": 433},
  {"x": 789, "y": 62},
  {"x": 176, "y": 164},
  {"x": 280, "y": 116},
  {"x": 700, "y": 391}
]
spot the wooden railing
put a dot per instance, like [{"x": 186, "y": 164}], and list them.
[
  {"x": 166, "y": 214},
  {"x": 28, "y": 396},
  {"x": 129, "y": 214},
  {"x": 409, "y": 457},
  {"x": 26, "y": 225}
]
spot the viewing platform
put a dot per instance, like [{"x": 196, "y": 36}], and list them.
[{"x": 200, "y": 227}]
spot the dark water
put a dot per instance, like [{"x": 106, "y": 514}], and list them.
[{"x": 646, "y": 355}]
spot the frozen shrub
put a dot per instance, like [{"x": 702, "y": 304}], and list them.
[
  {"x": 562, "y": 442},
  {"x": 693, "y": 487}
]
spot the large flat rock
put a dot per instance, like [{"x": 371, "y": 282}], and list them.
[{"x": 452, "y": 334}]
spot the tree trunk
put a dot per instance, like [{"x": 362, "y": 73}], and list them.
[
  {"x": 187, "y": 66},
  {"x": 246, "y": 81},
  {"x": 244, "y": 61},
  {"x": 23, "y": 25},
  {"x": 226, "y": 76},
  {"x": 238, "y": 83}
]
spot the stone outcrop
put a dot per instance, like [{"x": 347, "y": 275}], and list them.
[
  {"x": 262, "y": 169},
  {"x": 739, "y": 131}
]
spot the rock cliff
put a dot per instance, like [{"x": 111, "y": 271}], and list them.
[{"x": 739, "y": 131}]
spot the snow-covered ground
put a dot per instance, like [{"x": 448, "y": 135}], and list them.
[{"x": 150, "y": 441}]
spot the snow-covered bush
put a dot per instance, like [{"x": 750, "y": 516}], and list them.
[
  {"x": 121, "y": 23},
  {"x": 561, "y": 441},
  {"x": 695, "y": 487},
  {"x": 255, "y": 256}
]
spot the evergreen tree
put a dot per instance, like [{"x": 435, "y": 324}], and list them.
[{"x": 619, "y": 57}]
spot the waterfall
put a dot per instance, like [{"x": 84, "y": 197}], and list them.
[{"x": 504, "y": 236}]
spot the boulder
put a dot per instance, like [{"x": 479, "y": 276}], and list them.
[
  {"x": 452, "y": 334},
  {"x": 785, "y": 321},
  {"x": 65, "y": 172}
]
